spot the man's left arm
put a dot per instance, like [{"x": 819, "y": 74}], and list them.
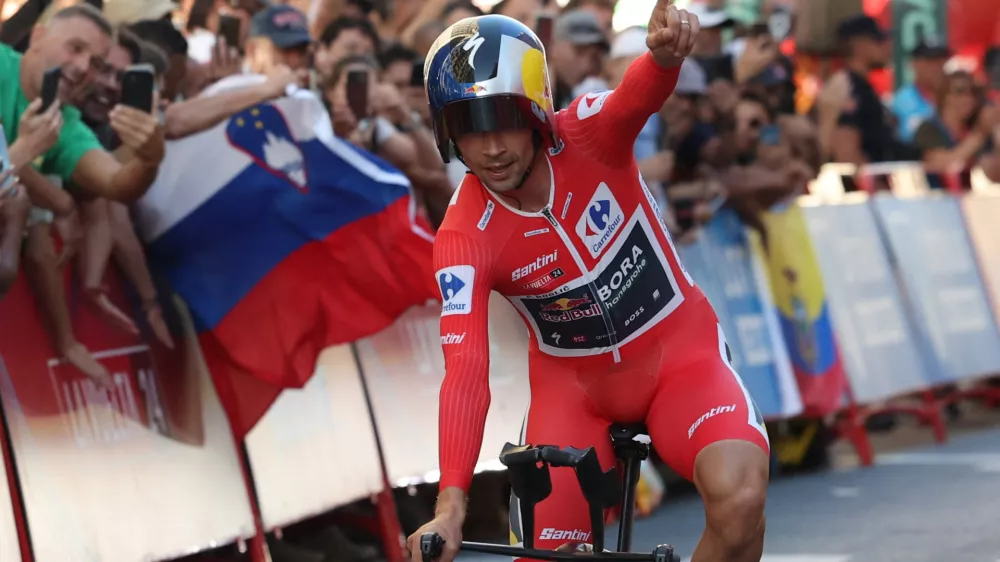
[{"x": 607, "y": 124}]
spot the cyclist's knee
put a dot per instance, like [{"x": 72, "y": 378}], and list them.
[{"x": 732, "y": 479}]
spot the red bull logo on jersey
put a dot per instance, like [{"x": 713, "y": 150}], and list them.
[{"x": 568, "y": 309}]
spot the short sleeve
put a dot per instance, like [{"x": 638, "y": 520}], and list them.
[{"x": 75, "y": 140}]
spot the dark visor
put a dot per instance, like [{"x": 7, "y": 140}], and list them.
[{"x": 493, "y": 113}]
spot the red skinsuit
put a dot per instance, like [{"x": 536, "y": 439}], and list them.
[{"x": 619, "y": 332}]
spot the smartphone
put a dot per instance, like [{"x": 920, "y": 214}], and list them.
[
  {"x": 543, "y": 29},
  {"x": 717, "y": 67},
  {"x": 138, "y": 86},
  {"x": 229, "y": 29},
  {"x": 50, "y": 87},
  {"x": 357, "y": 93},
  {"x": 780, "y": 24},
  {"x": 417, "y": 75}
]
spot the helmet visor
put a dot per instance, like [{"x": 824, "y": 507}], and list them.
[{"x": 493, "y": 113}]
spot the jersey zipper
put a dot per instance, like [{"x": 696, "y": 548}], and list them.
[{"x": 608, "y": 325}]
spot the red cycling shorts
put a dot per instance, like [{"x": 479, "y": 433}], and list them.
[{"x": 683, "y": 388}]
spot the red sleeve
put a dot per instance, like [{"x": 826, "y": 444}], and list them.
[
  {"x": 606, "y": 124},
  {"x": 464, "y": 273}
]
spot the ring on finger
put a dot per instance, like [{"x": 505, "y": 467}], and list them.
[{"x": 686, "y": 22}]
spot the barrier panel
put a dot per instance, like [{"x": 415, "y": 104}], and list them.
[
  {"x": 146, "y": 470},
  {"x": 10, "y": 549},
  {"x": 930, "y": 245},
  {"x": 879, "y": 347},
  {"x": 981, "y": 212},
  {"x": 404, "y": 367},
  {"x": 721, "y": 264},
  {"x": 800, "y": 302},
  {"x": 315, "y": 448}
]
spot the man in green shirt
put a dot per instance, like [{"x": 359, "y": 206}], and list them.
[{"x": 77, "y": 40}]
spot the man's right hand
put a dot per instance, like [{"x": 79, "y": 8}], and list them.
[
  {"x": 450, "y": 515},
  {"x": 281, "y": 77}
]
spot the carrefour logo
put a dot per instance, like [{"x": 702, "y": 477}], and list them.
[
  {"x": 601, "y": 220},
  {"x": 455, "y": 283}
]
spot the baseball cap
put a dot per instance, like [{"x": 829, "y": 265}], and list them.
[
  {"x": 580, "y": 27},
  {"x": 282, "y": 24},
  {"x": 125, "y": 12},
  {"x": 711, "y": 18},
  {"x": 691, "y": 81},
  {"x": 931, "y": 48},
  {"x": 629, "y": 43},
  {"x": 860, "y": 26}
]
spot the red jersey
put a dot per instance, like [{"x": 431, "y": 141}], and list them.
[{"x": 594, "y": 274}]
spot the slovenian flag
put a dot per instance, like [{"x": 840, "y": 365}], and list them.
[{"x": 283, "y": 240}]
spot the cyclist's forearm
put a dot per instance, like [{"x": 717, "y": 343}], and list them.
[{"x": 465, "y": 401}]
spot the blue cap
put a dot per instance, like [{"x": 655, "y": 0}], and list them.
[{"x": 285, "y": 26}]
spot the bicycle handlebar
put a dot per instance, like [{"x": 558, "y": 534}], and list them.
[{"x": 432, "y": 545}]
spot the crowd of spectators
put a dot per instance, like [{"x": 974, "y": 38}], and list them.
[{"x": 732, "y": 134}]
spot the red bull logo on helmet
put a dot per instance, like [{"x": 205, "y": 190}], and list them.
[{"x": 475, "y": 89}]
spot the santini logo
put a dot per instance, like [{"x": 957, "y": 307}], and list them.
[
  {"x": 455, "y": 283},
  {"x": 450, "y": 338},
  {"x": 556, "y": 534},
  {"x": 713, "y": 412},
  {"x": 534, "y": 266}
]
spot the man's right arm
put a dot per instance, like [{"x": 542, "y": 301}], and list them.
[
  {"x": 464, "y": 273},
  {"x": 204, "y": 112}
]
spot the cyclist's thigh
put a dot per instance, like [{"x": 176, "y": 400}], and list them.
[
  {"x": 701, "y": 402},
  {"x": 559, "y": 415}
]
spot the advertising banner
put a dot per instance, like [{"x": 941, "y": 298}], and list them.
[
  {"x": 721, "y": 264},
  {"x": 981, "y": 212},
  {"x": 404, "y": 367},
  {"x": 143, "y": 469},
  {"x": 931, "y": 248},
  {"x": 880, "y": 350},
  {"x": 10, "y": 549},
  {"x": 315, "y": 448},
  {"x": 802, "y": 307}
]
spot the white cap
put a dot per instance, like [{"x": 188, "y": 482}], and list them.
[
  {"x": 691, "y": 80},
  {"x": 629, "y": 43},
  {"x": 127, "y": 12},
  {"x": 711, "y": 18}
]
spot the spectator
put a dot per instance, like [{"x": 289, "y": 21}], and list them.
[
  {"x": 603, "y": 10},
  {"x": 344, "y": 37},
  {"x": 578, "y": 46},
  {"x": 278, "y": 35},
  {"x": 916, "y": 102},
  {"x": 524, "y": 11},
  {"x": 397, "y": 66},
  {"x": 953, "y": 140},
  {"x": 861, "y": 129},
  {"x": 77, "y": 40},
  {"x": 124, "y": 12},
  {"x": 458, "y": 10},
  {"x": 694, "y": 141},
  {"x": 164, "y": 35},
  {"x": 375, "y": 134},
  {"x": 713, "y": 22}
]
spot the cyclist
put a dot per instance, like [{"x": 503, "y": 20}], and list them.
[{"x": 554, "y": 216}]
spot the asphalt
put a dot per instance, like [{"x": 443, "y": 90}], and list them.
[{"x": 921, "y": 502}]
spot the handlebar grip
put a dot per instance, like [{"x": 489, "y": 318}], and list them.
[{"x": 431, "y": 545}]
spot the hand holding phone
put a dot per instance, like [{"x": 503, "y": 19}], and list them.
[
  {"x": 229, "y": 29},
  {"x": 138, "y": 86},
  {"x": 357, "y": 93}
]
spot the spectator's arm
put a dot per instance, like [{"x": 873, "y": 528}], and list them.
[
  {"x": 937, "y": 156},
  {"x": 102, "y": 176},
  {"x": 431, "y": 10},
  {"x": 45, "y": 195},
  {"x": 429, "y": 174},
  {"x": 845, "y": 145},
  {"x": 204, "y": 112},
  {"x": 14, "y": 211}
]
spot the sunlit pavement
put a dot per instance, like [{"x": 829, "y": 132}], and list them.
[{"x": 920, "y": 502}]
